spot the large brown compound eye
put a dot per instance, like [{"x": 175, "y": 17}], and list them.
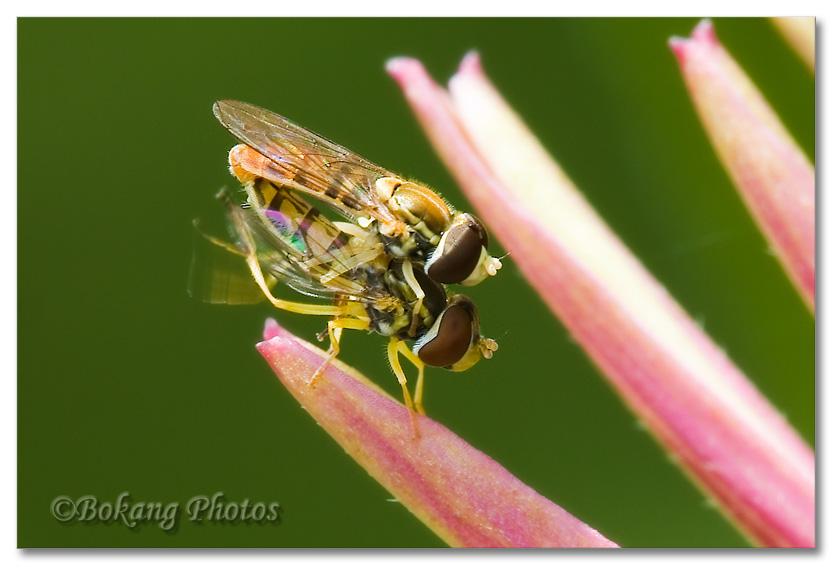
[
  {"x": 459, "y": 252},
  {"x": 451, "y": 336},
  {"x": 477, "y": 225}
]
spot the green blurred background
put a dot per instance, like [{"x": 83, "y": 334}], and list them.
[{"x": 125, "y": 384}]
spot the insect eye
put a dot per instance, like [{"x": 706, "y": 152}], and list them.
[
  {"x": 453, "y": 338},
  {"x": 477, "y": 225},
  {"x": 460, "y": 252}
]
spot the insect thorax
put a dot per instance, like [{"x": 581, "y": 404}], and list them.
[
  {"x": 420, "y": 208},
  {"x": 397, "y": 317}
]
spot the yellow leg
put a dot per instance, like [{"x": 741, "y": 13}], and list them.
[
  {"x": 334, "y": 328},
  {"x": 407, "y": 270},
  {"x": 359, "y": 236},
  {"x": 393, "y": 351},
  {"x": 350, "y": 263},
  {"x": 254, "y": 266},
  {"x": 413, "y": 358},
  {"x": 393, "y": 356}
]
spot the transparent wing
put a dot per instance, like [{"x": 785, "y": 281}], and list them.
[
  {"x": 309, "y": 240},
  {"x": 219, "y": 274},
  {"x": 287, "y": 258},
  {"x": 307, "y": 162},
  {"x": 294, "y": 245}
]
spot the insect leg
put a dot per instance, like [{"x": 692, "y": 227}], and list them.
[
  {"x": 393, "y": 351},
  {"x": 334, "y": 327},
  {"x": 420, "y": 365},
  {"x": 410, "y": 277},
  {"x": 359, "y": 235},
  {"x": 297, "y": 307},
  {"x": 351, "y": 263},
  {"x": 246, "y": 251}
]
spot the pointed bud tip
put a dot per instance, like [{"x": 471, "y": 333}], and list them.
[
  {"x": 400, "y": 67},
  {"x": 702, "y": 35},
  {"x": 471, "y": 63},
  {"x": 704, "y": 31},
  {"x": 272, "y": 329},
  {"x": 677, "y": 45}
]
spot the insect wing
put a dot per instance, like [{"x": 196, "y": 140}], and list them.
[
  {"x": 294, "y": 243},
  {"x": 307, "y": 162},
  {"x": 309, "y": 241},
  {"x": 219, "y": 274}
]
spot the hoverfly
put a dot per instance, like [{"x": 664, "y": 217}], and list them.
[
  {"x": 282, "y": 238},
  {"x": 411, "y": 220}
]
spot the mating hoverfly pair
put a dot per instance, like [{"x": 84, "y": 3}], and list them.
[{"x": 384, "y": 269}]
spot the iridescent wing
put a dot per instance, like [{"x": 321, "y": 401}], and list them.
[
  {"x": 219, "y": 274},
  {"x": 294, "y": 244},
  {"x": 309, "y": 240},
  {"x": 307, "y": 162}
]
